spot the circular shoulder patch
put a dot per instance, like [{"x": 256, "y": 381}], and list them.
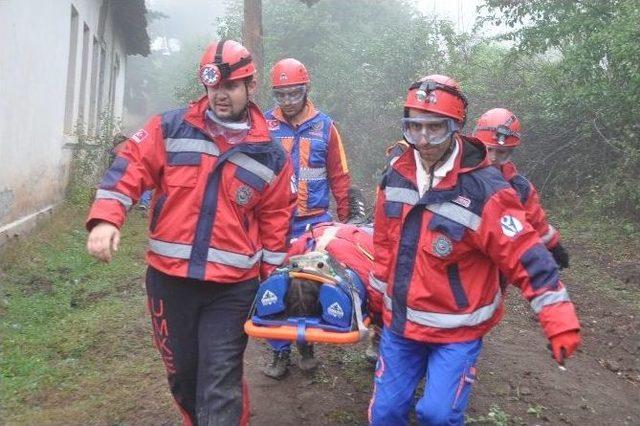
[
  {"x": 243, "y": 195},
  {"x": 511, "y": 226},
  {"x": 442, "y": 246}
]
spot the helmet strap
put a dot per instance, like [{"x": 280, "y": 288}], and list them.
[{"x": 225, "y": 68}]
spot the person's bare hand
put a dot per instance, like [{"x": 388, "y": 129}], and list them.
[{"x": 103, "y": 238}]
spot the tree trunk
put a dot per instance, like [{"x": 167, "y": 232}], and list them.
[{"x": 252, "y": 32}]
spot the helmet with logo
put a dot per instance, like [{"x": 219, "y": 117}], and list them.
[
  {"x": 225, "y": 60},
  {"x": 498, "y": 127},
  {"x": 438, "y": 94},
  {"x": 289, "y": 72}
]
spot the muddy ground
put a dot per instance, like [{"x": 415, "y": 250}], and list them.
[{"x": 518, "y": 382}]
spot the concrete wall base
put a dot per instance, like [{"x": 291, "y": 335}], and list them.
[{"x": 23, "y": 226}]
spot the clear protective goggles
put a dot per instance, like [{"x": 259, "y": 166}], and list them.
[
  {"x": 289, "y": 95},
  {"x": 233, "y": 132},
  {"x": 433, "y": 128},
  {"x": 500, "y": 155}
]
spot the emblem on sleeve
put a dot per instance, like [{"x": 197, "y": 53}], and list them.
[
  {"x": 273, "y": 124},
  {"x": 243, "y": 195},
  {"x": 442, "y": 246},
  {"x": 139, "y": 136},
  {"x": 510, "y": 226}
]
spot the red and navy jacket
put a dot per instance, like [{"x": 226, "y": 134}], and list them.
[
  {"x": 531, "y": 201},
  {"x": 220, "y": 212},
  {"x": 318, "y": 158},
  {"x": 350, "y": 245},
  {"x": 438, "y": 257}
]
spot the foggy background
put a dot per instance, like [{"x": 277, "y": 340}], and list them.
[{"x": 568, "y": 70}]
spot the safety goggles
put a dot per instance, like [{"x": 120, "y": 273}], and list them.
[
  {"x": 503, "y": 132},
  {"x": 233, "y": 132},
  {"x": 434, "y": 129},
  {"x": 500, "y": 155},
  {"x": 289, "y": 95}
]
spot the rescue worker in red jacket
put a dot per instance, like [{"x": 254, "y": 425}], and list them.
[
  {"x": 220, "y": 219},
  {"x": 445, "y": 225},
  {"x": 312, "y": 139},
  {"x": 320, "y": 166},
  {"x": 499, "y": 130}
]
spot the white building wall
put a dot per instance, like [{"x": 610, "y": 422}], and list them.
[{"x": 34, "y": 147}]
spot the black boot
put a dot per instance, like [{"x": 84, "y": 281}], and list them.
[
  {"x": 307, "y": 361},
  {"x": 373, "y": 348},
  {"x": 279, "y": 366}
]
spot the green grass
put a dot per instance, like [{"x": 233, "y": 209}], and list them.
[
  {"x": 76, "y": 342},
  {"x": 584, "y": 221},
  {"x": 605, "y": 250},
  {"x": 71, "y": 327},
  {"x": 496, "y": 417}
]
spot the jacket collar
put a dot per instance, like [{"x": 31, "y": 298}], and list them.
[
  {"x": 309, "y": 111},
  {"x": 508, "y": 170},
  {"x": 472, "y": 155},
  {"x": 258, "y": 132}
]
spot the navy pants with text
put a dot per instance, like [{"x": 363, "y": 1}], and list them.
[{"x": 198, "y": 329}]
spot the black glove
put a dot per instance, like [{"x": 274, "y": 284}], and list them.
[{"x": 561, "y": 256}]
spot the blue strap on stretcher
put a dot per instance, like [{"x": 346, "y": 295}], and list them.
[{"x": 300, "y": 335}]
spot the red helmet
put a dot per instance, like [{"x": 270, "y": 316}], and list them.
[
  {"x": 225, "y": 60},
  {"x": 438, "y": 94},
  {"x": 498, "y": 127},
  {"x": 289, "y": 72}
]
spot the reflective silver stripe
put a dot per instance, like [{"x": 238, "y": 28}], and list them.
[
  {"x": 246, "y": 162},
  {"x": 440, "y": 320},
  {"x": 549, "y": 235},
  {"x": 191, "y": 145},
  {"x": 377, "y": 284},
  {"x": 312, "y": 173},
  {"x": 273, "y": 257},
  {"x": 233, "y": 259},
  {"x": 387, "y": 302},
  {"x": 401, "y": 195},
  {"x": 549, "y": 298},
  {"x": 183, "y": 251},
  {"x": 457, "y": 214},
  {"x": 179, "y": 251},
  {"x": 104, "y": 194}
]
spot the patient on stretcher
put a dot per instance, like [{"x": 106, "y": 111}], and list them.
[
  {"x": 312, "y": 298},
  {"x": 313, "y": 290}
]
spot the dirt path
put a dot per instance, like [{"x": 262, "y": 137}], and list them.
[
  {"x": 123, "y": 381},
  {"x": 518, "y": 381}
]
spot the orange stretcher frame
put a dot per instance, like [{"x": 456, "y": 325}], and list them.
[{"x": 311, "y": 334}]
